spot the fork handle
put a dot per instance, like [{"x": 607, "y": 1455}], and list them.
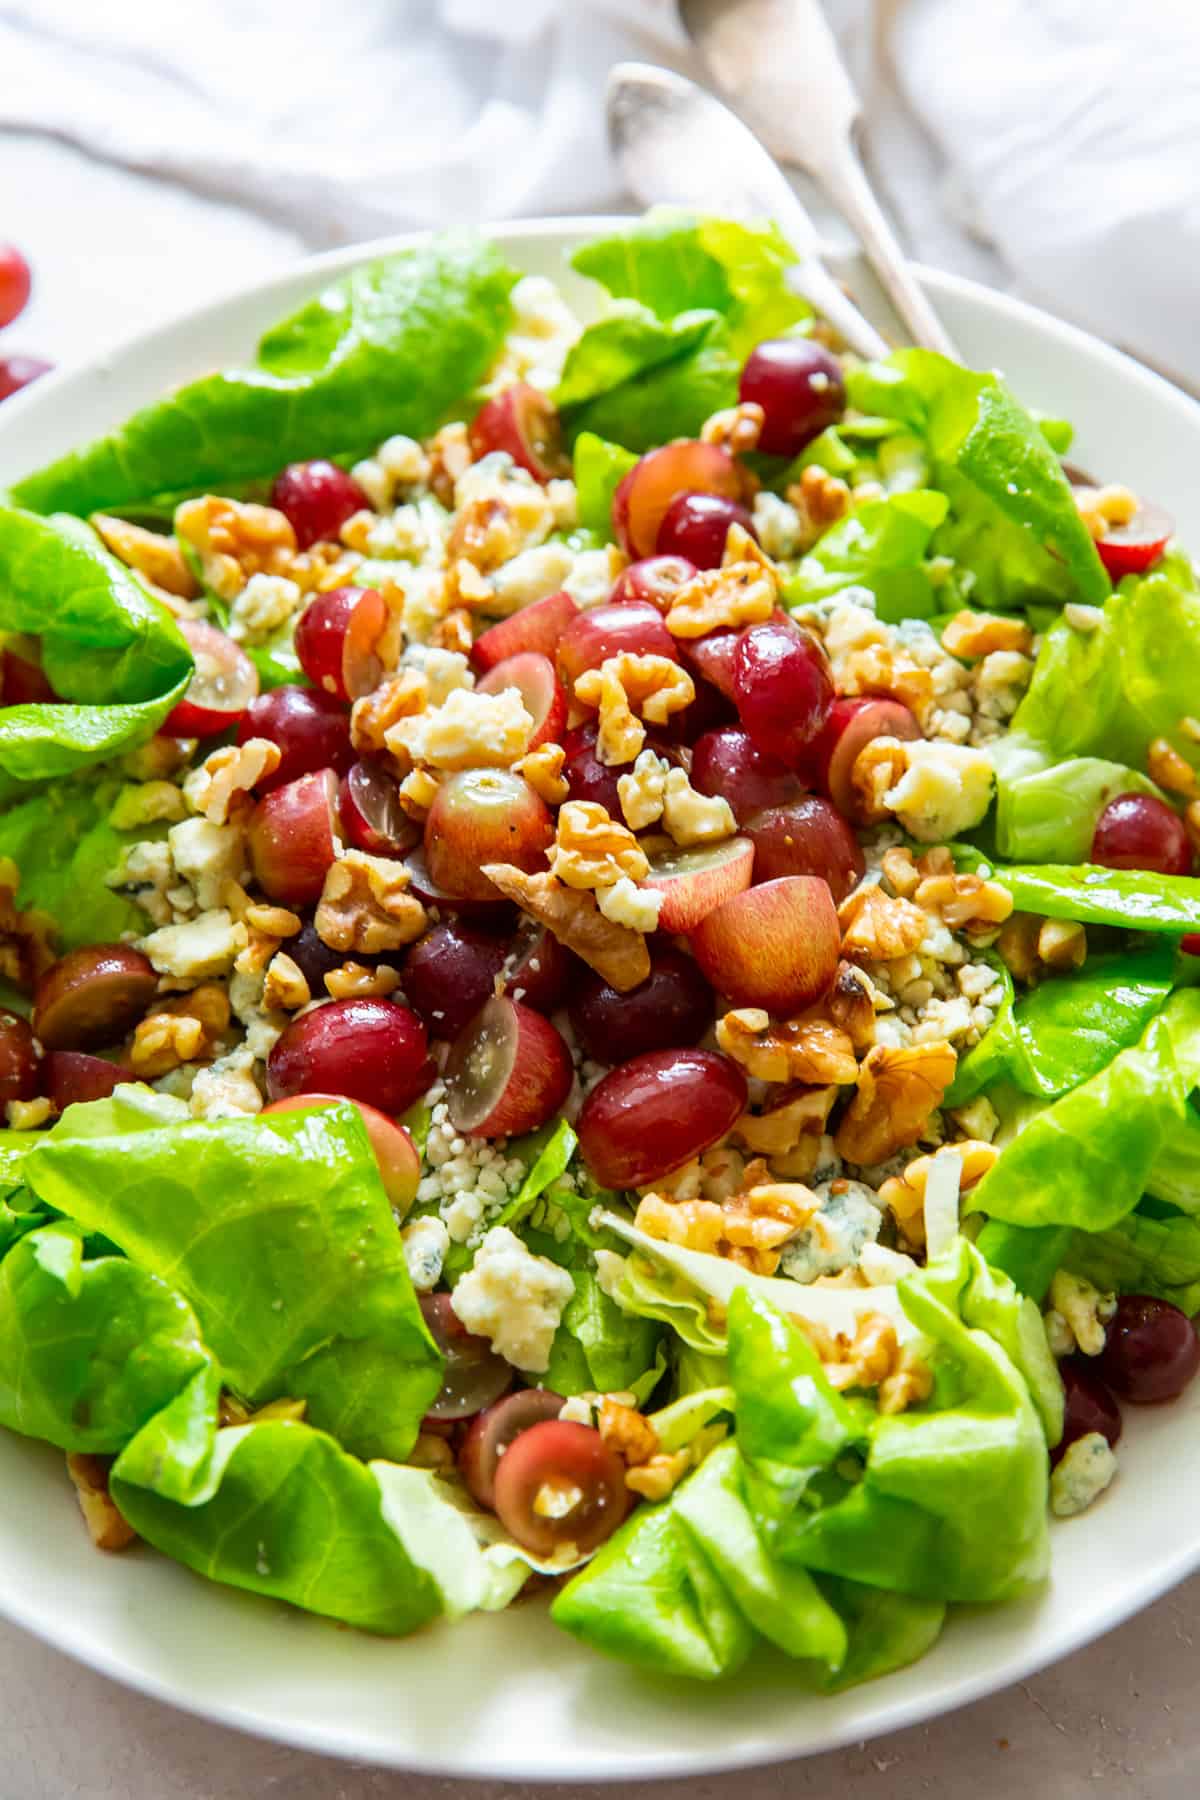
[{"x": 844, "y": 180}]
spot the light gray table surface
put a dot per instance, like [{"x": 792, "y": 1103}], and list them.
[
  {"x": 112, "y": 252},
  {"x": 1118, "y": 1721}
]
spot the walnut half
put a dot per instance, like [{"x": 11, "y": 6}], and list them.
[
  {"x": 365, "y": 905},
  {"x": 616, "y": 952},
  {"x": 897, "y": 1090}
]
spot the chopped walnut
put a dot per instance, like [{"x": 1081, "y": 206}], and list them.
[
  {"x": 543, "y": 770},
  {"x": 1103, "y": 507},
  {"x": 879, "y": 926},
  {"x": 901, "y": 872},
  {"x": 616, "y": 952},
  {"x": 971, "y": 634},
  {"x": 661, "y": 1475},
  {"x": 109, "y": 1531},
  {"x": 273, "y": 921},
  {"x": 750, "y": 1227},
  {"x": 401, "y": 696},
  {"x": 485, "y": 533},
  {"x": 821, "y": 499},
  {"x": 286, "y": 986},
  {"x": 234, "y": 540},
  {"x": 736, "y": 428},
  {"x": 365, "y": 905},
  {"x": 592, "y": 850},
  {"x": 905, "y": 1194},
  {"x": 877, "y": 768},
  {"x": 897, "y": 1090},
  {"x": 418, "y": 791},
  {"x": 626, "y": 689},
  {"x": 739, "y": 593},
  {"x": 225, "y": 778},
  {"x": 1170, "y": 770},
  {"x": 965, "y": 901},
  {"x": 886, "y": 669},
  {"x": 1062, "y": 944},
  {"x": 256, "y": 953},
  {"x": 626, "y": 1431},
  {"x": 810, "y": 1050},
  {"x": 874, "y": 1358},
  {"x": 449, "y": 458},
  {"x": 152, "y": 554},
  {"x": 851, "y": 1007},
  {"x": 453, "y": 632},
  {"x": 789, "y": 1129},
  {"x": 26, "y": 937},
  {"x": 28, "y": 1115},
  {"x": 354, "y": 981},
  {"x": 180, "y": 1031}
]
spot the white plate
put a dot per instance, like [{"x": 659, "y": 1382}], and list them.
[{"x": 509, "y": 1696}]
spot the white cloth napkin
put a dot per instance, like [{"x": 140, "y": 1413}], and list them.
[{"x": 1052, "y": 145}]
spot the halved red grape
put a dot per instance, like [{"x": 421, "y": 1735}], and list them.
[
  {"x": 493, "y": 910},
  {"x": 694, "y": 882},
  {"x": 537, "y": 626},
  {"x": 70, "y": 1075},
  {"x": 292, "y": 838},
  {"x": 311, "y": 728},
  {"x": 655, "y": 580},
  {"x": 537, "y": 968},
  {"x": 655, "y": 1112},
  {"x": 560, "y": 1484},
  {"x": 1132, "y": 548},
  {"x": 337, "y": 640},
  {"x": 542, "y": 693},
  {"x": 450, "y": 973},
  {"x": 369, "y": 1050},
  {"x": 799, "y": 385},
  {"x": 473, "y": 1377},
  {"x": 22, "y": 682},
  {"x": 1139, "y": 831},
  {"x": 807, "y": 837},
  {"x": 316, "y": 498},
  {"x": 774, "y": 946},
  {"x": 223, "y": 683},
  {"x": 524, "y": 421},
  {"x": 509, "y": 1071},
  {"x": 491, "y": 1432},
  {"x": 395, "y": 1152},
  {"x": 1151, "y": 1350},
  {"x": 671, "y": 1009},
  {"x": 481, "y": 816},
  {"x": 15, "y": 283},
  {"x": 686, "y": 466},
  {"x": 782, "y": 688},
  {"x": 852, "y": 725},
  {"x": 16, "y": 372},
  {"x": 729, "y": 762},
  {"x": 18, "y": 1058},
  {"x": 1088, "y": 1405},
  {"x": 92, "y": 996},
  {"x": 371, "y": 814},
  {"x": 695, "y": 526},
  {"x": 604, "y": 631}
]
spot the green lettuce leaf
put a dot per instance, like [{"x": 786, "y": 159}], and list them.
[
  {"x": 1027, "y": 1254},
  {"x": 882, "y": 546},
  {"x": 624, "y": 345},
  {"x": 1175, "y": 1176},
  {"x": 278, "y": 1233},
  {"x": 1131, "y": 898},
  {"x": 1070, "y": 1027},
  {"x": 285, "y": 1512},
  {"x": 1143, "y": 1255},
  {"x": 1013, "y": 523},
  {"x": 673, "y": 262},
  {"x": 665, "y": 398},
  {"x": 1085, "y": 1160},
  {"x": 1049, "y": 814},
  {"x": 65, "y": 848},
  {"x": 599, "y": 470},
  {"x": 389, "y": 347},
  {"x": 109, "y": 648}
]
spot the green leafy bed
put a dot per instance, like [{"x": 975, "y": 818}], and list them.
[{"x": 150, "y": 1263}]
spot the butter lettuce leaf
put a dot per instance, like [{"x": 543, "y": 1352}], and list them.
[
  {"x": 389, "y": 347},
  {"x": 65, "y": 847},
  {"x": 1143, "y": 1254},
  {"x": 882, "y": 546},
  {"x": 1134, "y": 899},
  {"x": 277, "y": 1232},
  {"x": 1013, "y": 523},
  {"x": 600, "y": 468},
  {"x": 1085, "y": 1160}
]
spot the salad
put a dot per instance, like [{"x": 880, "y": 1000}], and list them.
[{"x": 599, "y": 953}]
